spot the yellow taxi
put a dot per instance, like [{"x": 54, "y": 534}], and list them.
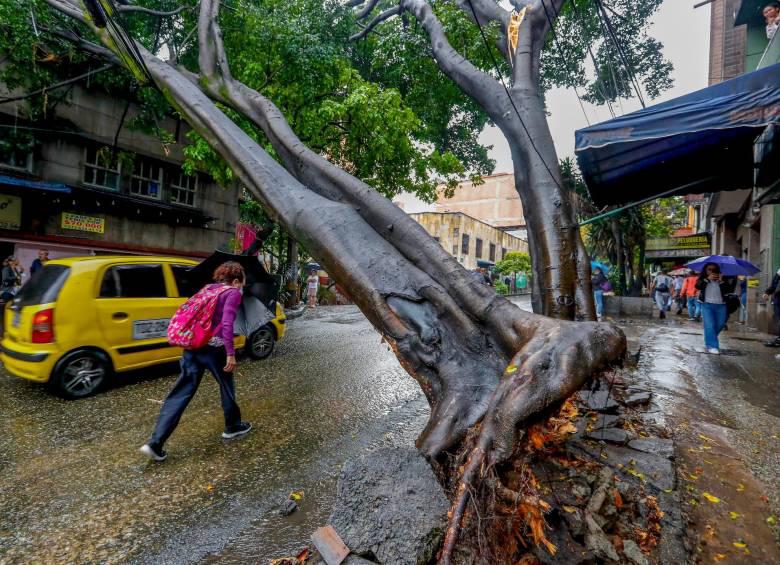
[{"x": 82, "y": 319}]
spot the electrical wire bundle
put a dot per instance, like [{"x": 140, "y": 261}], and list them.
[{"x": 105, "y": 16}]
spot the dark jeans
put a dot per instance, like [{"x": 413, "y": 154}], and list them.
[{"x": 193, "y": 364}]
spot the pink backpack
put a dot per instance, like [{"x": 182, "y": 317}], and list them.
[{"x": 190, "y": 326}]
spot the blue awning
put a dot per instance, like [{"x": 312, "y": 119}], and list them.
[
  {"x": 700, "y": 142},
  {"x": 35, "y": 184}
]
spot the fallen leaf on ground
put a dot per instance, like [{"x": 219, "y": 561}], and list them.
[
  {"x": 733, "y": 515},
  {"x": 569, "y": 509},
  {"x": 740, "y": 487},
  {"x": 720, "y": 556},
  {"x": 739, "y": 544},
  {"x": 711, "y": 498},
  {"x": 771, "y": 520}
]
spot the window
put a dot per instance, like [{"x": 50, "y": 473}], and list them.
[
  {"x": 464, "y": 244},
  {"x": 146, "y": 180},
  {"x": 16, "y": 159},
  {"x": 478, "y": 249},
  {"x": 455, "y": 249},
  {"x": 44, "y": 287},
  {"x": 492, "y": 256},
  {"x": 183, "y": 188},
  {"x": 455, "y": 232},
  {"x": 101, "y": 168},
  {"x": 133, "y": 281},
  {"x": 183, "y": 284},
  {"x": 503, "y": 252}
]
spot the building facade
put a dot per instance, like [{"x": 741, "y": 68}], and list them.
[
  {"x": 82, "y": 182},
  {"x": 744, "y": 223},
  {"x": 469, "y": 239},
  {"x": 494, "y": 202}
]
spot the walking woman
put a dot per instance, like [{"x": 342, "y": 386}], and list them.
[
  {"x": 712, "y": 296},
  {"x": 597, "y": 280},
  {"x": 218, "y": 356}
]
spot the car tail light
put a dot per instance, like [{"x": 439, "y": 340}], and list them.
[{"x": 43, "y": 326}]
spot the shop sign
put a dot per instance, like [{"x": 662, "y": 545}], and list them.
[
  {"x": 697, "y": 245},
  {"x": 79, "y": 222},
  {"x": 10, "y": 212}
]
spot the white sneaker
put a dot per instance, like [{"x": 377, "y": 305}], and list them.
[{"x": 714, "y": 351}]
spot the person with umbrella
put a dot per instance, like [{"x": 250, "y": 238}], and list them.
[
  {"x": 713, "y": 289},
  {"x": 218, "y": 356},
  {"x": 772, "y": 293},
  {"x": 598, "y": 282}
]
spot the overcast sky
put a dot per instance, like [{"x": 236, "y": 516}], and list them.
[{"x": 684, "y": 33}]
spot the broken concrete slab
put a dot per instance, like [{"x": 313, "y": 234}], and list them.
[
  {"x": 606, "y": 421},
  {"x": 655, "y": 445},
  {"x": 633, "y": 553},
  {"x": 390, "y": 505},
  {"x": 638, "y": 399},
  {"x": 611, "y": 435},
  {"x": 654, "y": 469},
  {"x": 597, "y": 541},
  {"x": 599, "y": 401}
]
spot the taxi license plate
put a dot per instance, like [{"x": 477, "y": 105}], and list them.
[{"x": 147, "y": 329}]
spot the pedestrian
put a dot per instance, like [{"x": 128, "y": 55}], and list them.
[
  {"x": 713, "y": 289},
  {"x": 40, "y": 261},
  {"x": 771, "y": 13},
  {"x": 772, "y": 293},
  {"x": 598, "y": 282},
  {"x": 9, "y": 279},
  {"x": 678, "y": 298},
  {"x": 218, "y": 356},
  {"x": 691, "y": 296},
  {"x": 312, "y": 286},
  {"x": 19, "y": 271},
  {"x": 661, "y": 289},
  {"x": 742, "y": 299}
]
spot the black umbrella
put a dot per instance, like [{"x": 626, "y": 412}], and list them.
[
  {"x": 259, "y": 283},
  {"x": 251, "y": 316}
]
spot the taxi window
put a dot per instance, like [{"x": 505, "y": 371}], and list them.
[
  {"x": 183, "y": 283},
  {"x": 133, "y": 281}
]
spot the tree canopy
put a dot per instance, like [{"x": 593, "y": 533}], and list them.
[{"x": 389, "y": 132}]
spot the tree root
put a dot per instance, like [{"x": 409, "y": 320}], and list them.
[{"x": 552, "y": 366}]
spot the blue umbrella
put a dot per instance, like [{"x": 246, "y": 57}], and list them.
[
  {"x": 729, "y": 266},
  {"x": 600, "y": 265}
]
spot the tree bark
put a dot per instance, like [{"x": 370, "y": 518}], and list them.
[
  {"x": 561, "y": 284},
  {"x": 620, "y": 256}
]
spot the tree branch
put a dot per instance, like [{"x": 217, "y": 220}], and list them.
[
  {"x": 487, "y": 11},
  {"x": 56, "y": 85},
  {"x": 387, "y": 14},
  {"x": 474, "y": 82},
  {"x": 149, "y": 11},
  {"x": 88, "y": 46},
  {"x": 212, "y": 59},
  {"x": 366, "y": 10}
]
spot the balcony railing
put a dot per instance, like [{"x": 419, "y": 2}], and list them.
[{"x": 771, "y": 53}]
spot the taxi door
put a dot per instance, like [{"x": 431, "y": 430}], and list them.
[{"x": 135, "y": 304}]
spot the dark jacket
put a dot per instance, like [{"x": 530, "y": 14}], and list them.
[
  {"x": 774, "y": 288},
  {"x": 727, "y": 286},
  {"x": 597, "y": 280}
]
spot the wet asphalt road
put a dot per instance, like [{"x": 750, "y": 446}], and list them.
[{"x": 73, "y": 487}]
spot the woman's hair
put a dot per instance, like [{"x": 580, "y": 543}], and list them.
[
  {"x": 703, "y": 273},
  {"x": 771, "y": 5},
  {"x": 228, "y": 272}
]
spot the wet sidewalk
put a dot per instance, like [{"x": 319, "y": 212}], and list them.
[{"x": 724, "y": 415}]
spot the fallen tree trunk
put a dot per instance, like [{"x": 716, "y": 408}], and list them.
[{"x": 486, "y": 367}]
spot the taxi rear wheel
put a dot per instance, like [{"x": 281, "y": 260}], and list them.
[
  {"x": 80, "y": 373},
  {"x": 261, "y": 343}
]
